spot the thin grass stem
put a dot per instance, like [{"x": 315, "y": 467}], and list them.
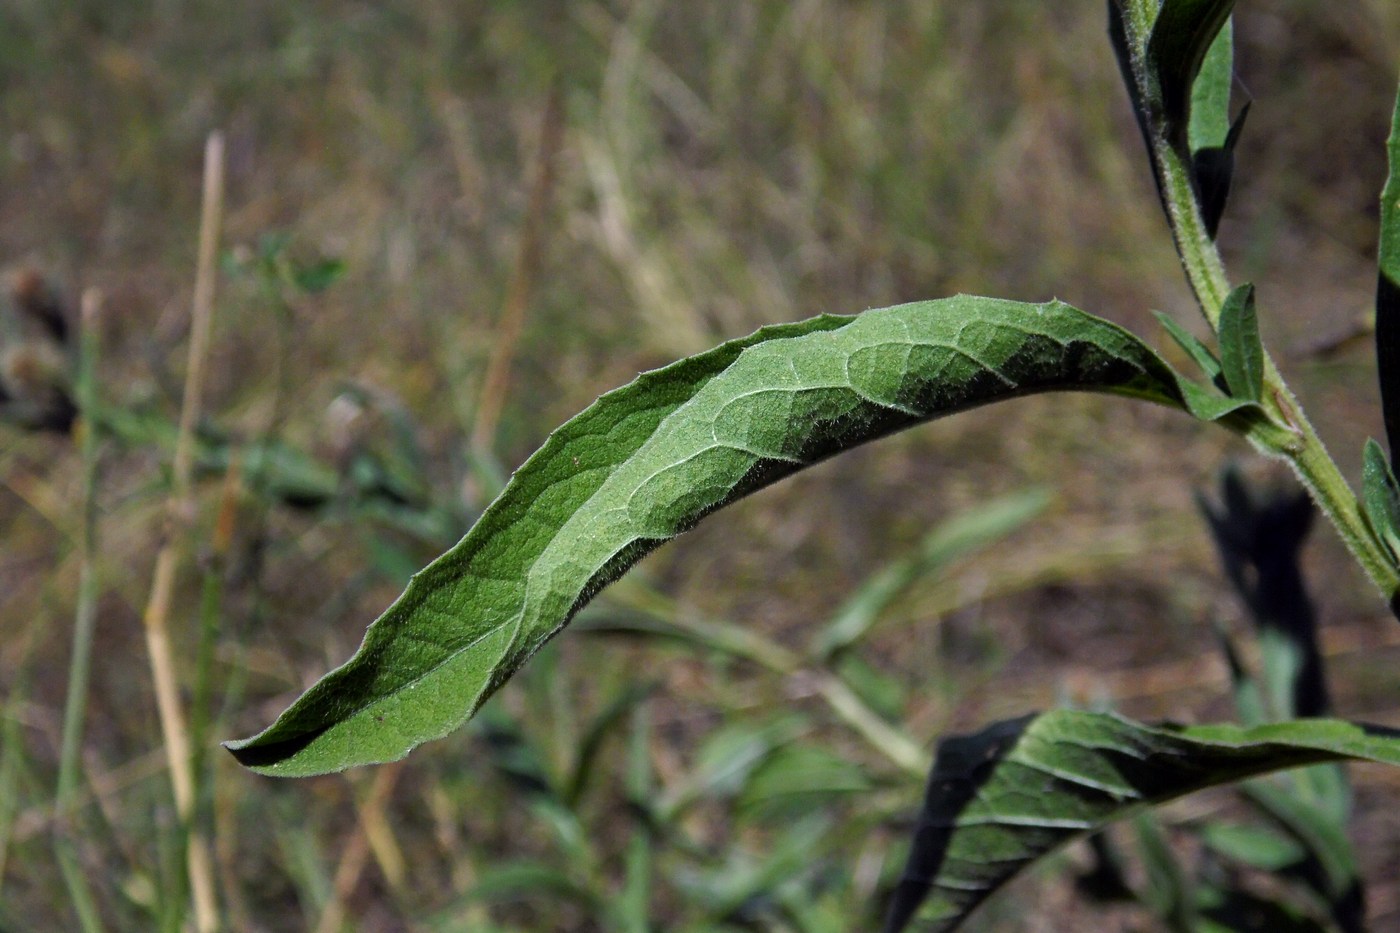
[{"x": 84, "y": 625}]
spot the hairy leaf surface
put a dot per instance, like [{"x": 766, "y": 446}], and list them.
[
  {"x": 1241, "y": 351},
  {"x": 1380, "y": 496},
  {"x": 1002, "y": 798},
  {"x": 648, "y": 461}
]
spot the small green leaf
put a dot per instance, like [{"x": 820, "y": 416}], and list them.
[
  {"x": 1381, "y": 496},
  {"x": 1255, "y": 846},
  {"x": 1182, "y": 34},
  {"x": 1388, "y": 289},
  {"x": 1241, "y": 352},
  {"x": 1002, "y": 798},
  {"x": 648, "y": 461},
  {"x": 1210, "y": 94},
  {"x": 797, "y": 778},
  {"x": 316, "y": 277},
  {"x": 1193, "y": 348}
]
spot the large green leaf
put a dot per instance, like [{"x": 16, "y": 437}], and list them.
[
  {"x": 648, "y": 461},
  {"x": 1002, "y": 798}
]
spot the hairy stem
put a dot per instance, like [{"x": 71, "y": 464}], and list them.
[{"x": 1298, "y": 443}]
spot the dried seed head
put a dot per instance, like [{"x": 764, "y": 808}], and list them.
[
  {"x": 34, "y": 387},
  {"x": 35, "y": 298}
]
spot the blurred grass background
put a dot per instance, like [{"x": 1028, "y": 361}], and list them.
[{"x": 720, "y": 166}]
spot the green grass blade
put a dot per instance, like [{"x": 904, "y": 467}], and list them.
[
  {"x": 634, "y": 902},
  {"x": 1169, "y": 890},
  {"x": 1388, "y": 288},
  {"x": 1323, "y": 837},
  {"x": 1002, "y": 798},
  {"x": 648, "y": 461},
  {"x": 959, "y": 536}
]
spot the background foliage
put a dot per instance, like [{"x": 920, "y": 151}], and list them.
[{"x": 721, "y": 166}]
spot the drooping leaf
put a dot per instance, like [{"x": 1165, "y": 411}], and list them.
[
  {"x": 1380, "y": 496},
  {"x": 1210, "y": 135},
  {"x": 1259, "y": 538},
  {"x": 1241, "y": 352},
  {"x": 1210, "y": 93},
  {"x": 648, "y": 461},
  {"x": 1388, "y": 289},
  {"x": 1213, "y": 170},
  {"x": 1182, "y": 34},
  {"x": 1000, "y": 799}
]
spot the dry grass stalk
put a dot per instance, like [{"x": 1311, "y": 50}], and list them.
[
  {"x": 372, "y": 834},
  {"x": 172, "y": 720},
  {"x": 495, "y": 383}
]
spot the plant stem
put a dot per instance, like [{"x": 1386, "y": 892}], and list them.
[
  {"x": 84, "y": 624},
  {"x": 1299, "y": 445}
]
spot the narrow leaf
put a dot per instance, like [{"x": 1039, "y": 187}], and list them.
[
  {"x": 1212, "y": 171},
  {"x": 1241, "y": 352},
  {"x": 1388, "y": 289},
  {"x": 1210, "y": 94},
  {"x": 798, "y": 777},
  {"x": 1182, "y": 34},
  {"x": 1193, "y": 348},
  {"x": 648, "y": 461},
  {"x": 1256, "y": 846},
  {"x": 1380, "y": 496},
  {"x": 1170, "y": 891},
  {"x": 960, "y": 536},
  {"x": 1323, "y": 836},
  {"x": 1002, "y": 798}
]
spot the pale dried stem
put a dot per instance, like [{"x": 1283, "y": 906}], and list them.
[
  {"x": 495, "y": 383},
  {"x": 166, "y": 683},
  {"x": 370, "y": 835}
]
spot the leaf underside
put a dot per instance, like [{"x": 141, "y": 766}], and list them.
[
  {"x": 1000, "y": 799},
  {"x": 647, "y": 461}
]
